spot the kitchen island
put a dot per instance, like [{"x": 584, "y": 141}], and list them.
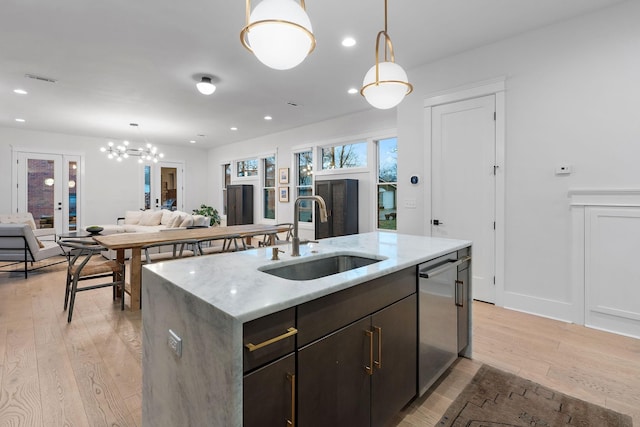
[{"x": 198, "y": 311}]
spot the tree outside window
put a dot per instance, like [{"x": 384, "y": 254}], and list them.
[{"x": 345, "y": 156}]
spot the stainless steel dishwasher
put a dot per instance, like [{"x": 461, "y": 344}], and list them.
[{"x": 438, "y": 317}]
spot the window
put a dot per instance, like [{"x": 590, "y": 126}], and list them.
[
  {"x": 304, "y": 184},
  {"x": 226, "y": 173},
  {"x": 147, "y": 187},
  {"x": 269, "y": 188},
  {"x": 345, "y": 156},
  {"x": 387, "y": 183},
  {"x": 247, "y": 168}
]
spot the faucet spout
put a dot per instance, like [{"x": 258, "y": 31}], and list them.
[{"x": 295, "y": 241}]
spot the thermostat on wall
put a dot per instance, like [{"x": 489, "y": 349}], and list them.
[{"x": 415, "y": 179}]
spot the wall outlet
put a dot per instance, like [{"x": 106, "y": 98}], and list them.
[{"x": 175, "y": 343}]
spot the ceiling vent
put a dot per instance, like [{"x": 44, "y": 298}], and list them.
[{"x": 43, "y": 79}]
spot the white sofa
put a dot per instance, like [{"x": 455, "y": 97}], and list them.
[{"x": 150, "y": 221}]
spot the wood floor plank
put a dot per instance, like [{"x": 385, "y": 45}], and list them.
[
  {"x": 20, "y": 390},
  {"x": 61, "y": 400}
]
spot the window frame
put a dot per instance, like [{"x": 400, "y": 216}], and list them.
[
  {"x": 296, "y": 175},
  {"x": 249, "y": 177},
  {"x": 354, "y": 169},
  {"x": 224, "y": 166},
  {"x": 376, "y": 177},
  {"x": 263, "y": 187}
]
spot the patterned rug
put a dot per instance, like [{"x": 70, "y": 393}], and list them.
[{"x": 499, "y": 399}]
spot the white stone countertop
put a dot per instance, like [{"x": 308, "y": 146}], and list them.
[{"x": 232, "y": 283}]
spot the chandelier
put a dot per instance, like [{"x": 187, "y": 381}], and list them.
[{"x": 147, "y": 153}]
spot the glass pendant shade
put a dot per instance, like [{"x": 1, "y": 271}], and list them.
[
  {"x": 389, "y": 90},
  {"x": 205, "y": 86},
  {"x": 279, "y": 33}
]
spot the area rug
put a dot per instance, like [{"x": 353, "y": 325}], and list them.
[{"x": 498, "y": 399}]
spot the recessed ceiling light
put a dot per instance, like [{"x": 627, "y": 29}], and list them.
[
  {"x": 268, "y": 117},
  {"x": 234, "y": 128},
  {"x": 192, "y": 141},
  {"x": 353, "y": 90},
  {"x": 348, "y": 42},
  {"x": 20, "y": 120},
  {"x": 20, "y": 91}
]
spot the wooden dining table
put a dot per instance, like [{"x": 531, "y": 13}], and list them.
[{"x": 136, "y": 241}]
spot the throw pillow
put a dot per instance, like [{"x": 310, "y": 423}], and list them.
[
  {"x": 199, "y": 220},
  {"x": 187, "y": 222},
  {"x": 167, "y": 217},
  {"x": 150, "y": 218},
  {"x": 132, "y": 217},
  {"x": 177, "y": 220}
]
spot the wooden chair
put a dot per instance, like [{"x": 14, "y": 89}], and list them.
[
  {"x": 277, "y": 241},
  {"x": 180, "y": 249},
  {"x": 82, "y": 266},
  {"x": 206, "y": 248}
]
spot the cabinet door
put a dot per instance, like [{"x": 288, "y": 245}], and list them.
[
  {"x": 395, "y": 352},
  {"x": 268, "y": 394},
  {"x": 324, "y": 229},
  {"x": 334, "y": 388}
]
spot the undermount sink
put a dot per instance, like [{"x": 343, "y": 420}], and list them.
[{"x": 315, "y": 268}]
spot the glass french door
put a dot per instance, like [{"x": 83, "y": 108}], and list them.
[{"x": 48, "y": 187}]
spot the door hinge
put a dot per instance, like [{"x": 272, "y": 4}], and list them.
[
  {"x": 494, "y": 225},
  {"x": 494, "y": 280},
  {"x": 494, "y": 115}
]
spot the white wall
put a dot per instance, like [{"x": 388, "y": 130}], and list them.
[
  {"x": 110, "y": 188},
  {"x": 369, "y": 123},
  {"x": 571, "y": 97}
]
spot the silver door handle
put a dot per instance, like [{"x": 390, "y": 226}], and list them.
[{"x": 427, "y": 274}]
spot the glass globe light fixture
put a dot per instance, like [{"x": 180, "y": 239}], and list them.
[
  {"x": 279, "y": 33},
  {"x": 386, "y": 84},
  {"x": 205, "y": 86}
]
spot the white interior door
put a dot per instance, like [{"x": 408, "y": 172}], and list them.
[
  {"x": 463, "y": 182},
  {"x": 48, "y": 186}
]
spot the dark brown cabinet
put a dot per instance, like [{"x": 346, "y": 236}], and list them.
[
  {"x": 239, "y": 204},
  {"x": 269, "y": 366},
  {"x": 364, "y": 373},
  {"x": 341, "y": 197},
  {"x": 269, "y": 394}
]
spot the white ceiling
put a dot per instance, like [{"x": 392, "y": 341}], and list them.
[{"x": 123, "y": 61}]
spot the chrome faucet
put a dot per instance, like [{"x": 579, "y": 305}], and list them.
[{"x": 295, "y": 242}]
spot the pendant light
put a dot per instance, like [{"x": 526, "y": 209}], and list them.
[
  {"x": 386, "y": 84},
  {"x": 205, "y": 86},
  {"x": 278, "y": 32}
]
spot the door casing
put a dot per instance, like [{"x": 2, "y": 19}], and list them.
[{"x": 496, "y": 87}]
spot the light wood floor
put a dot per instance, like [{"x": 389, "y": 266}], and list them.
[{"x": 88, "y": 373}]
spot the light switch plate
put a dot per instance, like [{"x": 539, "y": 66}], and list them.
[{"x": 175, "y": 343}]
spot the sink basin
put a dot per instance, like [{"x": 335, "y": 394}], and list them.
[{"x": 316, "y": 268}]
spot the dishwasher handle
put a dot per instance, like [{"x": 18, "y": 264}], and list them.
[{"x": 427, "y": 274}]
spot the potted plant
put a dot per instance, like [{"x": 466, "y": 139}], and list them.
[{"x": 210, "y": 212}]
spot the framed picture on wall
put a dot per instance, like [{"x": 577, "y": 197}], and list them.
[
  {"x": 283, "y": 194},
  {"x": 283, "y": 175}
]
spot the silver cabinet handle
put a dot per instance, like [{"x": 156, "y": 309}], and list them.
[{"x": 441, "y": 269}]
